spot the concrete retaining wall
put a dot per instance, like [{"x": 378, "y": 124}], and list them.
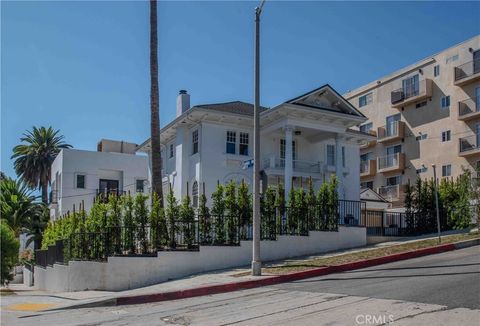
[{"x": 122, "y": 273}]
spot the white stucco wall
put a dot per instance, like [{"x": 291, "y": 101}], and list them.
[
  {"x": 121, "y": 273},
  {"x": 126, "y": 168}
]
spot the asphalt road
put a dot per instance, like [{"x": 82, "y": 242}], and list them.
[{"x": 442, "y": 289}]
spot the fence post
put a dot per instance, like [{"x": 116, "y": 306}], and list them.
[{"x": 383, "y": 224}]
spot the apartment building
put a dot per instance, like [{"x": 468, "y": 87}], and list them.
[{"x": 426, "y": 113}]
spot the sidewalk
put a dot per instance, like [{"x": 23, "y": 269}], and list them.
[{"x": 25, "y": 300}]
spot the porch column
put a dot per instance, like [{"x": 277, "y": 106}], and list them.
[
  {"x": 288, "y": 160},
  {"x": 339, "y": 165}
]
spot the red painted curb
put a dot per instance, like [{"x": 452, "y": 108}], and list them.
[{"x": 243, "y": 285}]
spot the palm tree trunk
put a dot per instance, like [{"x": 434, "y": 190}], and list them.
[
  {"x": 154, "y": 107},
  {"x": 44, "y": 186}
]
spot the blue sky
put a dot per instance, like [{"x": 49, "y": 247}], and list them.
[{"x": 83, "y": 67}]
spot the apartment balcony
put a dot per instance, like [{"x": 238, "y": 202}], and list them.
[
  {"x": 468, "y": 109},
  {"x": 370, "y": 143},
  {"x": 276, "y": 166},
  {"x": 466, "y": 73},
  {"x": 469, "y": 146},
  {"x": 412, "y": 94},
  {"x": 391, "y": 163},
  {"x": 391, "y": 133},
  {"x": 392, "y": 193},
  {"x": 368, "y": 168}
]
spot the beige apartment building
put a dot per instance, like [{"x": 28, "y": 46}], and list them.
[{"x": 426, "y": 113}]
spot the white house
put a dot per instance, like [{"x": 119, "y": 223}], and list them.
[
  {"x": 308, "y": 136},
  {"x": 79, "y": 175}
]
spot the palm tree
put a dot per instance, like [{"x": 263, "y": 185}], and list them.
[
  {"x": 34, "y": 159},
  {"x": 156, "y": 155}
]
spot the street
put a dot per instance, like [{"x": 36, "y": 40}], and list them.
[{"x": 442, "y": 289}]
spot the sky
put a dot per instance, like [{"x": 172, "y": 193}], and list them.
[{"x": 83, "y": 67}]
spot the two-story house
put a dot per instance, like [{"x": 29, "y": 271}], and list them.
[{"x": 308, "y": 136}]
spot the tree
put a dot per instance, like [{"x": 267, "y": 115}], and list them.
[
  {"x": 9, "y": 252},
  {"x": 156, "y": 155},
  {"x": 34, "y": 158},
  {"x": 218, "y": 211}
]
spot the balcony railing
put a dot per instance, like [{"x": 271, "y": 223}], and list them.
[
  {"x": 298, "y": 165},
  {"x": 413, "y": 93},
  {"x": 467, "y": 70},
  {"x": 468, "y": 108},
  {"x": 469, "y": 145},
  {"x": 370, "y": 143},
  {"x": 390, "y": 193},
  {"x": 392, "y": 131},
  {"x": 391, "y": 162}
]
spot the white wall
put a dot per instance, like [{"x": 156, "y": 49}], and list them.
[
  {"x": 121, "y": 273},
  {"x": 126, "y": 168}
]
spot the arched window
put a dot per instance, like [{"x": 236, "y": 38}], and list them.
[{"x": 195, "y": 194}]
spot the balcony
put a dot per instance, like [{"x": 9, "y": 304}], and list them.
[
  {"x": 412, "y": 94},
  {"x": 370, "y": 143},
  {"x": 274, "y": 165},
  {"x": 391, "y": 163},
  {"x": 392, "y": 132},
  {"x": 391, "y": 193},
  {"x": 468, "y": 109},
  {"x": 469, "y": 146},
  {"x": 466, "y": 73},
  {"x": 368, "y": 168}
]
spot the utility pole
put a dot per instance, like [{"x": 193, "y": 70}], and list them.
[
  {"x": 256, "y": 262},
  {"x": 436, "y": 202}
]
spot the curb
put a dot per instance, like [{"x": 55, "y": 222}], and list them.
[{"x": 243, "y": 285}]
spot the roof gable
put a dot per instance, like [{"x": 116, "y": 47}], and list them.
[
  {"x": 326, "y": 98},
  {"x": 237, "y": 107},
  {"x": 368, "y": 194}
]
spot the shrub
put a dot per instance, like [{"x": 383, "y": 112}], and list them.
[
  {"x": 187, "y": 218},
  {"x": 218, "y": 209},
  {"x": 204, "y": 219},
  {"x": 171, "y": 214},
  {"x": 232, "y": 211},
  {"x": 9, "y": 252}
]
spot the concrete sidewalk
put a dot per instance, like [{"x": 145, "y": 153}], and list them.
[{"x": 27, "y": 300}]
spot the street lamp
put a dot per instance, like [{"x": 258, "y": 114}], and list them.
[
  {"x": 436, "y": 201},
  {"x": 256, "y": 263}
]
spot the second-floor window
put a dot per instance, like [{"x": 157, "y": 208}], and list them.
[
  {"x": 283, "y": 149},
  {"x": 436, "y": 70},
  {"x": 330, "y": 154},
  {"x": 445, "y": 102},
  {"x": 366, "y": 184},
  {"x": 80, "y": 181},
  {"x": 195, "y": 142},
  {"x": 231, "y": 142},
  {"x": 365, "y": 100},
  {"x": 393, "y": 181},
  {"x": 243, "y": 148},
  {"x": 172, "y": 150},
  {"x": 447, "y": 170},
  {"x": 139, "y": 185}
]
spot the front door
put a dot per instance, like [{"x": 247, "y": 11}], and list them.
[
  {"x": 107, "y": 187},
  {"x": 282, "y": 152}
]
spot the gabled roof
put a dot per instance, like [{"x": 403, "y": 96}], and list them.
[
  {"x": 367, "y": 194},
  {"x": 236, "y": 107},
  {"x": 326, "y": 98}
]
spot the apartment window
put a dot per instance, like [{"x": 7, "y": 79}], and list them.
[
  {"x": 446, "y": 136},
  {"x": 423, "y": 169},
  {"x": 419, "y": 105},
  {"x": 231, "y": 141},
  {"x": 366, "y": 127},
  {"x": 411, "y": 86},
  {"x": 195, "y": 194},
  {"x": 80, "y": 181},
  {"x": 139, "y": 185},
  {"x": 445, "y": 102},
  {"x": 172, "y": 150},
  {"x": 451, "y": 59},
  {"x": 447, "y": 170},
  {"x": 330, "y": 154},
  {"x": 366, "y": 157},
  {"x": 421, "y": 137},
  {"x": 343, "y": 156},
  {"x": 243, "y": 150},
  {"x": 366, "y": 184},
  {"x": 195, "y": 142},
  {"x": 365, "y": 100},
  {"x": 393, "y": 181},
  {"x": 436, "y": 70}
]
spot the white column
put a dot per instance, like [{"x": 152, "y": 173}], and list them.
[
  {"x": 288, "y": 160},
  {"x": 339, "y": 166},
  {"x": 181, "y": 161}
]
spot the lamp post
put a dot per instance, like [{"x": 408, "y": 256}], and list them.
[
  {"x": 436, "y": 201},
  {"x": 256, "y": 263}
]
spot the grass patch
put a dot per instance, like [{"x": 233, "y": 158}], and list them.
[{"x": 298, "y": 266}]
